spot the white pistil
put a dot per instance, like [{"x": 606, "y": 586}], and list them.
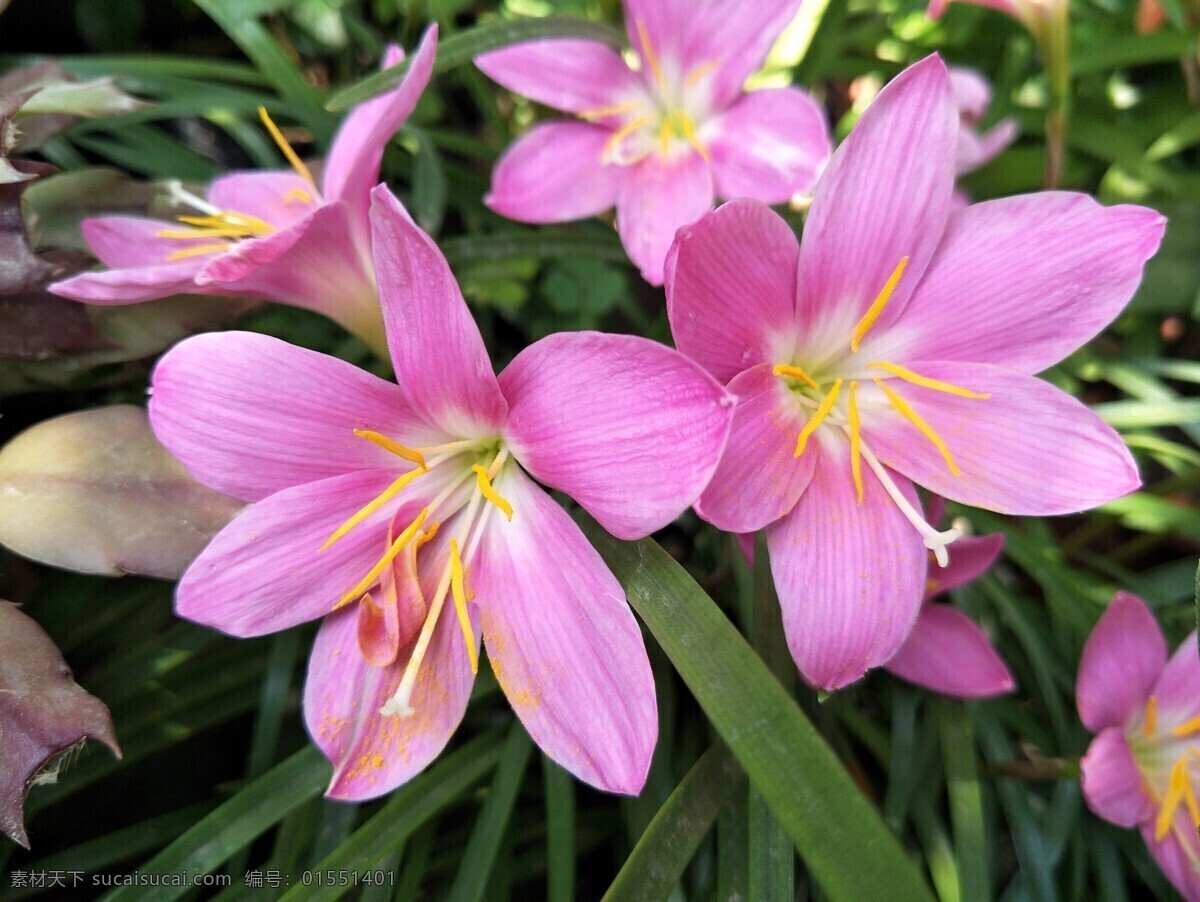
[
  {"x": 180, "y": 194},
  {"x": 933, "y": 540}
]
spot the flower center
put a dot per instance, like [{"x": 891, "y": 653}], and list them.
[{"x": 1167, "y": 761}]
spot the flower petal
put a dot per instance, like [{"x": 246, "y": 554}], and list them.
[
  {"x": 759, "y": 479},
  {"x": 1172, "y": 859},
  {"x": 277, "y": 198},
  {"x": 1028, "y": 449},
  {"x": 769, "y": 145},
  {"x": 250, "y": 415},
  {"x": 1024, "y": 281},
  {"x": 947, "y": 652},
  {"x": 731, "y": 285},
  {"x": 656, "y": 197},
  {"x": 1111, "y": 783},
  {"x": 124, "y": 242},
  {"x": 737, "y": 36},
  {"x": 977, "y": 149},
  {"x": 441, "y": 363},
  {"x": 1121, "y": 661},
  {"x": 563, "y": 643},
  {"x": 1178, "y": 687},
  {"x": 970, "y": 557},
  {"x": 666, "y": 25},
  {"x": 576, "y": 76},
  {"x": 884, "y": 196},
  {"x": 850, "y": 576},
  {"x": 555, "y": 174},
  {"x": 972, "y": 93},
  {"x": 629, "y": 428},
  {"x": 117, "y": 287}
]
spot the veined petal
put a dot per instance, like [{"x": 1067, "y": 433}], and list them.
[
  {"x": 947, "y": 652},
  {"x": 1121, "y": 662},
  {"x": 769, "y": 145},
  {"x": 250, "y": 415},
  {"x": 555, "y": 174},
  {"x": 655, "y": 198},
  {"x": 116, "y": 287},
  {"x": 737, "y": 36},
  {"x": 884, "y": 196},
  {"x": 666, "y": 26},
  {"x": 731, "y": 286},
  {"x": 563, "y": 643},
  {"x": 629, "y": 428},
  {"x": 977, "y": 149},
  {"x": 1024, "y": 281},
  {"x": 1111, "y": 783},
  {"x": 1178, "y": 687},
  {"x": 277, "y": 198},
  {"x": 759, "y": 479},
  {"x": 850, "y": 576},
  {"x": 372, "y": 754},
  {"x": 577, "y": 76},
  {"x": 1170, "y": 855},
  {"x": 441, "y": 363},
  {"x": 970, "y": 557},
  {"x": 1029, "y": 448},
  {"x": 126, "y": 242}
]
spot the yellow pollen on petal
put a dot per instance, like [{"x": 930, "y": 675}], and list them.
[
  {"x": 284, "y": 147},
  {"x": 460, "y": 604},
  {"x": 485, "y": 486},
  {"x": 617, "y": 109},
  {"x": 1151, "y": 724},
  {"x": 650, "y": 57},
  {"x": 926, "y": 382},
  {"x": 700, "y": 71},
  {"x": 394, "y": 549},
  {"x": 394, "y": 447},
  {"x": 1176, "y": 789},
  {"x": 818, "y": 415},
  {"x": 913, "y": 417},
  {"x": 197, "y": 250},
  {"x": 793, "y": 372},
  {"x": 885, "y": 294},
  {"x": 855, "y": 442},
  {"x": 1187, "y": 728},
  {"x": 297, "y": 194},
  {"x": 615, "y": 139},
  {"x": 375, "y": 504}
]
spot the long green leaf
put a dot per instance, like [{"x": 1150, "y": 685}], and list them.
[{"x": 839, "y": 835}]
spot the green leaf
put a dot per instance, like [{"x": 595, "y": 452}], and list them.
[
  {"x": 466, "y": 45},
  {"x": 543, "y": 244},
  {"x": 966, "y": 801},
  {"x": 838, "y": 833},
  {"x": 560, "y": 832}
]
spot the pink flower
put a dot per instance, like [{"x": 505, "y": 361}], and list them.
[
  {"x": 660, "y": 140},
  {"x": 1140, "y": 769},
  {"x": 270, "y": 235},
  {"x": 973, "y": 96},
  {"x": 377, "y": 505},
  {"x": 897, "y": 344},
  {"x": 1033, "y": 14}
]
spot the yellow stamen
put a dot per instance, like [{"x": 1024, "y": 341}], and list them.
[
  {"x": 428, "y": 534},
  {"x": 913, "y": 417},
  {"x": 855, "y": 442},
  {"x": 794, "y": 372},
  {"x": 815, "y": 420},
  {"x": 398, "y": 705},
  {"x": 393, "y": 446},
  {"x": 664, "y": 136},
  {"x": 197, "y": 250},
  {"x": 375, "y": 504},
  {"x": 460, "y": 605},
  {"x": 189, "y": 234},
  {"x": 297, "y": 194},
  {"x": 1190, "y": 797},
  {"x": 1170, "y": 804},
  {"x": 700, "y": 71},
  {"x": 651, "y": 59},
  {"x": 485, "y": 486},
  {"x": 1187, "y": 728},
  {"x": 616, "y": 109},
  {"x": 926, "y": 382},
  {"x": 872, "y": 314},
  {"x": 622, "y": 133},
  {"x": 394, "y": 549},
  {"x": 242, "y": 224},
  {"x": 285, "y": 148},
  {"x": 688, "y": 127},
  {"x": 1151, "y": 724}
]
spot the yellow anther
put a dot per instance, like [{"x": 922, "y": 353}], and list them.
[
  {"x": 872, "y": 314},
  {"x": 1176, "y": 789},
  {"x": 651, "y": 59},
  {"x": 297, "y": 194},
  {"x": 617, "y": 109},
  {"x": 794, "y": 372},
  {"x": 460, "y": 605},
  {"x": 700, "y": 71},
  {"x": 1151, "y": 724},
  {"x": 428, "y": 534},
  {"x": 1187, "y": 728},
  {"x": 284, "y": 147},
  {"x": 375, "y": 504},
  {"x": 197, "y": 250},
  {"x": 485, "y": 486},
  {"x": 664, "y": 136},
  {"x": 394, "y": 549},
  {"x": 622, "y": 133},
  {"x": 821, "y": 413},
  {"x": 688, "y": 127},
  {"x": 242, "y": 225},
  {"x": 925, "y": 381},
  {"x": 913, "y": 417},
  {"x": 855, "y": 442},
  {"x": 393, "y": 446}
]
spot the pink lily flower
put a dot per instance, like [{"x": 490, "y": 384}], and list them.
[
  {"x": 658, "y": 140},
  {"x": 896, "y": 344},
  {"x": 973, "y": 96},
  {"x": 274, "y": 235},
  {"x": 1142, "y": 767},
  {"x": 377, "y": 505}
]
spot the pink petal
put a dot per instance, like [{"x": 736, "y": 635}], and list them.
[
  {"x": 977, "y": 149},
  {"x": 657, "y": 197},
  {"x": 126, "y": 242},
  {"x": 373, "y": 754},
  {"x": 947, "y": 652},
  {"x": 769, "y": 145},
  {"x": 1024, "y": 281},
  {"x": 1178, "y": 687},
  {"x": 555, "y": 174},
  {"x": 737, "y": 36},
  {"x": 629, "y": 428},
  {"x": 731, "y": 285},
  {"x": 759, "y": 479},
  {"x": 441, "y": 363},
  {"x": 117, "y": 287},
  {"x": 1111, "y": 782},
  {"x": 884, "y": 196},
  {"x": 250, "y": 415},
  {"x": 666, "y": 25},
  {"x": 850, "y": 576},
  {"x": 563, "y": 642},
  {"x": 970, "y": 557},
  {"x": 572, "y": 75},
  {"x": 277, "y": 198},
  {"x": 1121, "y": 661},
  {"x": 1172, "y": 859},
  {"x": 1029, "y": 449},
  {"x": 352, "y": 168},
  {"x": 972, "y": 92}
]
